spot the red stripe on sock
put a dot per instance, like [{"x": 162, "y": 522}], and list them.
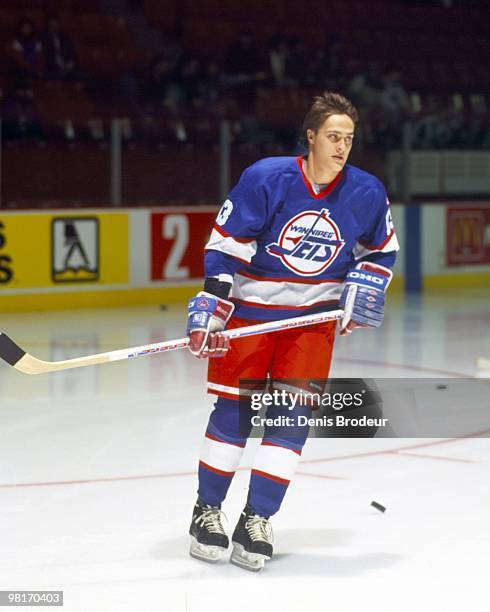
[
  {"x": 282, "y": 481},
  {"x": 211, "y": 437},
  {"x": 269, "y": 443},
  {"x": 215, "y": 470}
]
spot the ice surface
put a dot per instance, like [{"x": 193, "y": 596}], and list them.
[{"x": 97, "y": 477}]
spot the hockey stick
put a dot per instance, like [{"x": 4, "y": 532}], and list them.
[{"x": 28, "y": 364}]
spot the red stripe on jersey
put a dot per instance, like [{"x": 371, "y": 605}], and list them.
[
  {"x": 378, "y": 247},
  {"x": 221, "y": 231},
  {"x": 282, "y": 481},
  {"x": 328, "y": 189},
  {"x": 372, "y": 267},
  {"x": 269, "y": 443},
  {"x": 211, "y": 437},
  {"x": 271, "y": 307},
  {"x": 231, "y": 396},
  {"x": 215, "y": 470},
  {"x": 289, "y": 280}
]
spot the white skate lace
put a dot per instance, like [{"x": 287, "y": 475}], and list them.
[
  {"x": 211, "y": 520},
  {"x": 259, "y": 528}
]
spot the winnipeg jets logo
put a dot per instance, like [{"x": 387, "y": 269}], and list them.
[{"x": 309, "y": 243}]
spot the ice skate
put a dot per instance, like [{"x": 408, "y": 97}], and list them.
[
  {"x": 252, "y": 541},
  {"x": 208, "y": 537}
]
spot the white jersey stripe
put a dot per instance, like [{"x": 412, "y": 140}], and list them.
[
  {"x": 361, "y": 251},
  {"x": 289, "y": 294},
  {"x": 231, "y": 390},
  {"x": 228, "y": 245}
]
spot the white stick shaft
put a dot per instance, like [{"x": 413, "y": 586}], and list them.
[
  {"x": 273, "y": 326},
  {"x": 32, "y": 365},
  {"x": 239, "y": 332}
]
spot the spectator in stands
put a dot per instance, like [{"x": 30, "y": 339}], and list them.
[
  {"x": 394, "y": 108},
  {"x": 20, "y": 117},
  {"x": 394, "y": 98},
  {"x": 278, "y": 56},
  {"x": 365, "y": 87},
  {"x": 199, "y": 85},
  {"x": 430, "y": 129},
  {"x": 364, "y": 90},
  {"x": 326, "y": 66},
  {"x": 162, "y": 85},
  {"x": 129, "y": 91},
  {"x": 60, "y": 58},
  {"x": 210, "y": 84},
  {"x": 296, "y": 62},
  {"x": 465, "y": 130},
  {"x": 189, "y": 76},
  {"x": 26, "y": 51},
  {"x": 244, "y": 62},
  {"x": 474, "y": 133},
  {"x": 485, "y": 139},
  {"x": 315, "y": 70},
  {"x": 334, "y": 63},
  {"x": 173, "y": 48}
]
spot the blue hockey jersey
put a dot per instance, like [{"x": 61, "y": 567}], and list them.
[{"x": 286, "y": 248}]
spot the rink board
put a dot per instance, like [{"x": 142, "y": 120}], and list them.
[
  {"x": 58, "y": 259},
  {"x": 455, "y": 245},
  {"x": 100, "y": 257}
]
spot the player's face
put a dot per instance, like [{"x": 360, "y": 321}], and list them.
[{"x": 332, "y": 143}]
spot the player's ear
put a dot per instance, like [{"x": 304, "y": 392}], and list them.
[{"x": 310, "y": 136}]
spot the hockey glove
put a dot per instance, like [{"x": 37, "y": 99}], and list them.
[
  {"x": 363, "y": 297},
  {"x": 207, "y": 316}
]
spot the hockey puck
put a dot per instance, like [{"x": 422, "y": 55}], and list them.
[
  {"x": 163, "y": 307},
  {"x": 378, "y": 506},
  {"x": 441, "y": 387}
]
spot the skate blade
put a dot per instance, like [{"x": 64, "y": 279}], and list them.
[
  {"x": 253, "y": 562},
  {"x": 204, "y": 552}
]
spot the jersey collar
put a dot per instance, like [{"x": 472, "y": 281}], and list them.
[{"x": 324, "y": 192}]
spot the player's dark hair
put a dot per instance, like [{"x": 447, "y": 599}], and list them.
[{"x": 329, "y": 103}]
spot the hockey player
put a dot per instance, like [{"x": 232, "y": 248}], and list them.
[{"x": 295, "y": 236}]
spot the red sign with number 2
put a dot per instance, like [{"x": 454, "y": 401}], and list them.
[{"x": 177, "y": 242}]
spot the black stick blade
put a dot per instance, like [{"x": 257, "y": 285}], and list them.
[{"x": 9, "y": 351}]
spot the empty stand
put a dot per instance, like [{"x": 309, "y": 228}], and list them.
[{"x": 441, "y": 53}]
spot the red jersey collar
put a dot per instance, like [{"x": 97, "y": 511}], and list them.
[{"x": 324, "y": 192}]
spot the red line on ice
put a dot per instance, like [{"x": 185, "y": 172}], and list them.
[{"x": 308, "y": 461}]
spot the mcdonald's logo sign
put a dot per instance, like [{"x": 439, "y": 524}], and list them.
[{"x": 465, "y": 237}]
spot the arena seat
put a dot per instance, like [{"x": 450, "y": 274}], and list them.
[{"x": 58, "y": 100}]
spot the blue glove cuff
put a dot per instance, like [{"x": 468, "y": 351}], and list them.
[{"x": 202, "y": 303}]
